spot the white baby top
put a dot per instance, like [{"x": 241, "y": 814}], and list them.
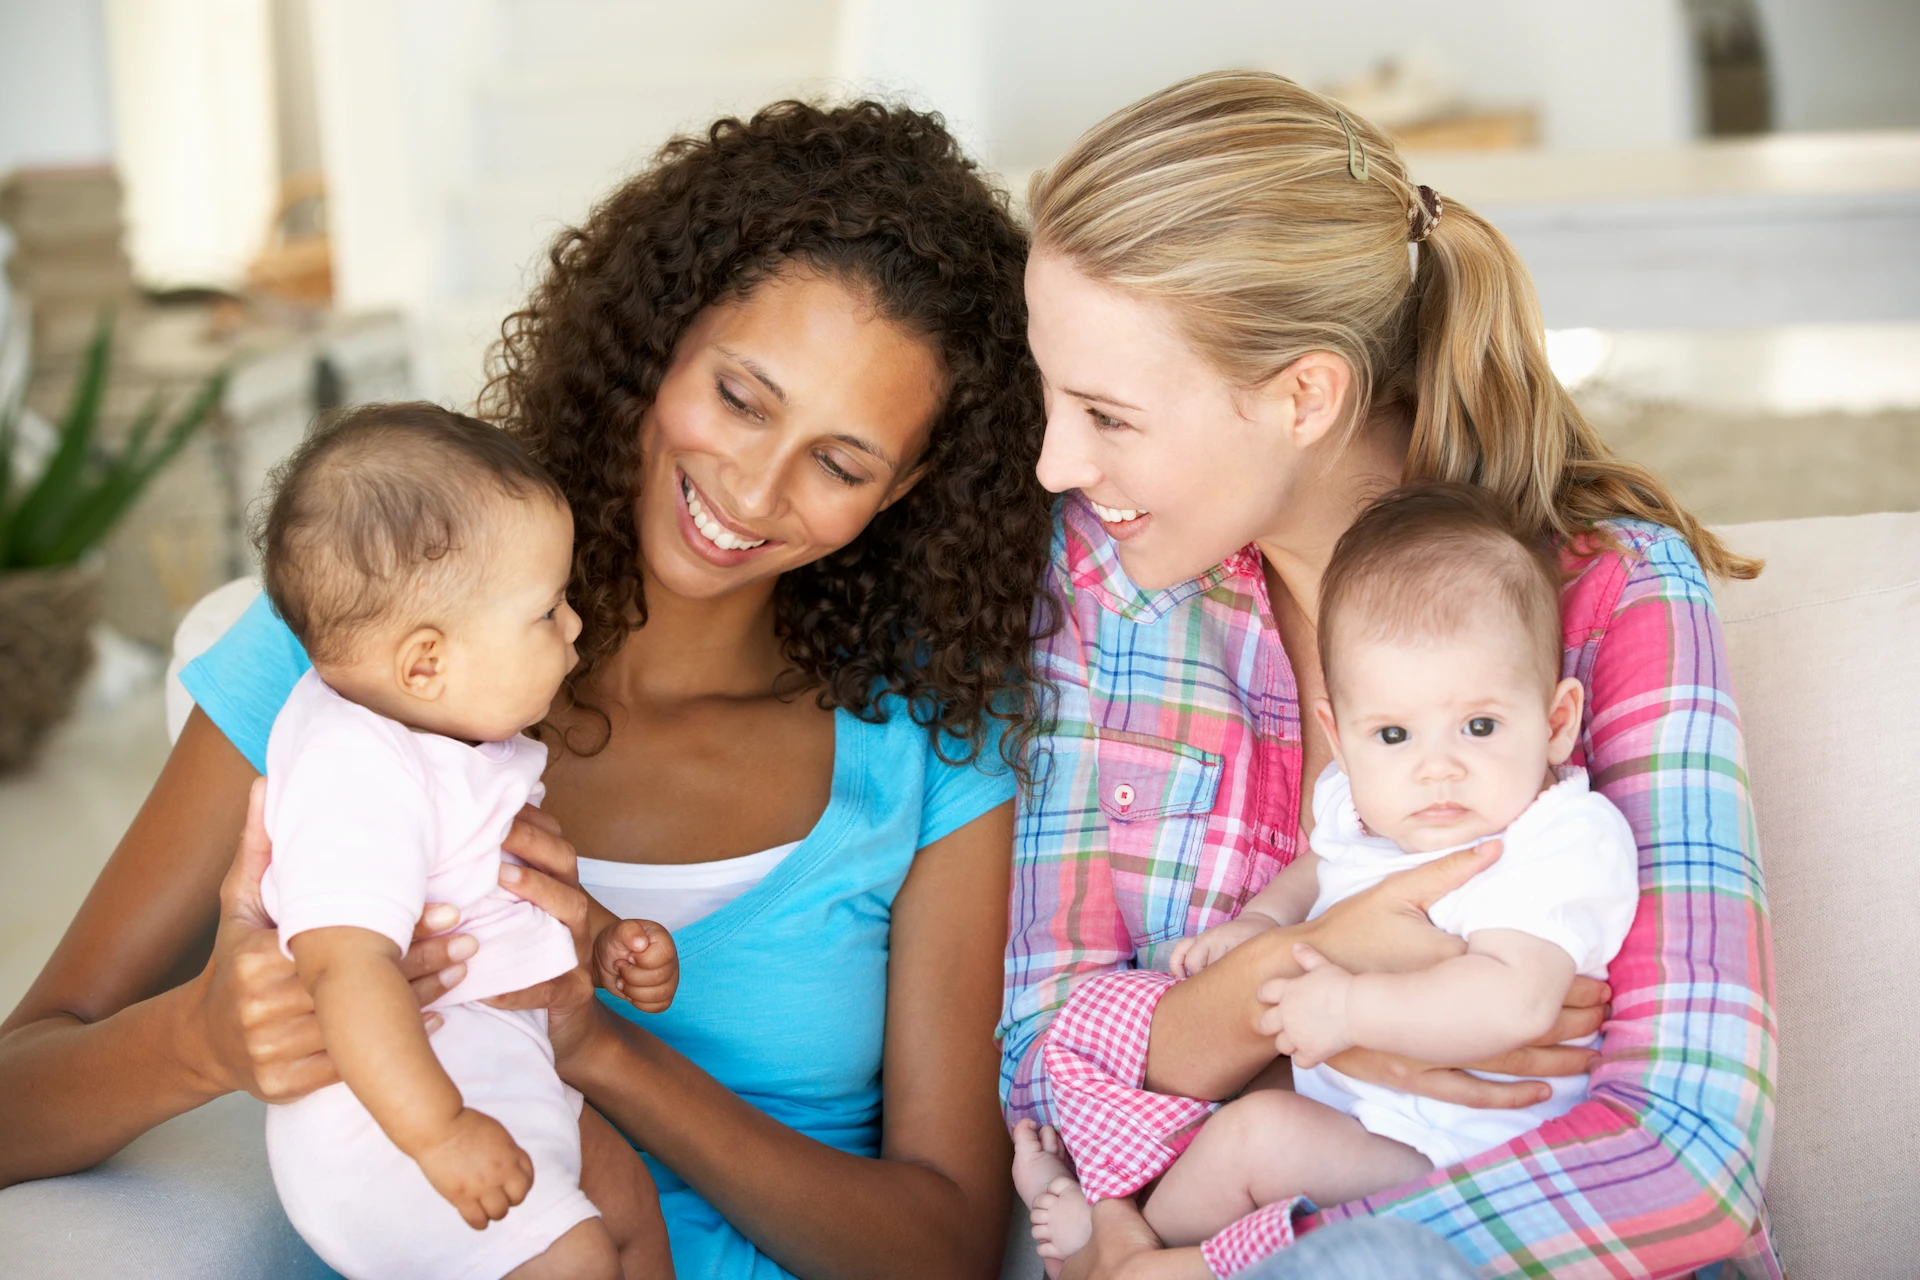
[
  {"x": 371, "y": 821},
  {"x": 1568, "y": 873}
]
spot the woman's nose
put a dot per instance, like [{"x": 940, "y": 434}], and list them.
[
  {"x": 756, "y": 484},
  {"x": 1065, "y": 462}
]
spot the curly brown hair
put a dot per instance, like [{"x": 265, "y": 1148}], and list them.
[{"x": 934, "y": 601}]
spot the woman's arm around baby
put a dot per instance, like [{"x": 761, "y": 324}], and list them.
[{"x": 169, "y": 988}]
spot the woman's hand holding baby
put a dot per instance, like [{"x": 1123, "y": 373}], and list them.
[
  {"x": 1385, "y": 929},
  {"x": 1586, "y": 1009},
  {"x": 261, "y": 1033}
]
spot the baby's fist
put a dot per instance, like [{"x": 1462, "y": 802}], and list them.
[
  {"x": 478, "y": 1167},
  {"x": 1308, "y": 1017},
  {"x": 637, "y": 961},
  {"x": 1191, "y": 955}
]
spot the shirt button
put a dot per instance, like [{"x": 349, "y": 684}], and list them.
[{"x": 1123, "y": 795}]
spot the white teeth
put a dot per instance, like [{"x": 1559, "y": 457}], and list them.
[
  {"x": 1114, "y": 515},
  {"x": 710, "y": 529}
]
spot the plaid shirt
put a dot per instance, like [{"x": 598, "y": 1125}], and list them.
[{"x": 1171, "y": 794}]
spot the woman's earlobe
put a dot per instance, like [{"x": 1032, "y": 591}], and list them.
[{"x": 1316, "y": 388}]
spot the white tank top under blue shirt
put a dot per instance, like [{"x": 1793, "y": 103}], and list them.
[{"x": 676, "y": 894}]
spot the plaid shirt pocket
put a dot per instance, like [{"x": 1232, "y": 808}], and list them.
[{"x": 1157, "y": 796}]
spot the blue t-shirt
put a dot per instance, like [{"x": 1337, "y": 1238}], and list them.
[{"x": 783, "y": 991}]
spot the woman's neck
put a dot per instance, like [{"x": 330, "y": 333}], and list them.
[
  {"x": 1338, "y": 488},
  {"x": 721, "y": 647}
]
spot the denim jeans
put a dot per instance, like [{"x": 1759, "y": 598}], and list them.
[{"x": 1365, "y": 1249}]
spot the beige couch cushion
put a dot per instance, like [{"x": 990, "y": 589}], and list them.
[{"x": 1823, "y": 646}]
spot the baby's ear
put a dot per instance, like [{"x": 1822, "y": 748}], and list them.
[
  {"x": 1323, "y": 712},
  {"x": 420, "y": 665},
  {"x": 1563, "y": 719}
]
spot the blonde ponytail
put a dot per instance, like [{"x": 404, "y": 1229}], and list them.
[{"x": 1274, "y": 224}]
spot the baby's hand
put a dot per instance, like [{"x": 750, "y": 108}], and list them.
[
  {"x": 637, "y": 961},
  {"x": 1191, "y": 955},
  {"x": 1309, "y": 1013},
  {"x": 478, "y": 1167}
]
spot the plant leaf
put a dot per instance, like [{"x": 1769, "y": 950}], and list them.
[
  {"x": 35, "y": 522},
  {"x": 96, "y": 513}
]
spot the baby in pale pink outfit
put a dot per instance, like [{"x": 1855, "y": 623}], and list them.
[{"x": 422, "y": 559}]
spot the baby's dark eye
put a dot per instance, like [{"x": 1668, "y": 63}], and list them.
[
  {"x": 1393, "y": 735},
  {"x": 1104, "y": 422},
  {"x": 548, "y": 615},
  {"x": 1480, "y": 726}
]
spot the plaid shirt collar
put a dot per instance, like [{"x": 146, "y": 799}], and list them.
[{"x": 1093, "y": 562}]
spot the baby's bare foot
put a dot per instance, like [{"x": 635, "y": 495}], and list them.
[
  {"x": 1038, "y": 1159},
  {"x": 1062, "y": 1222}
]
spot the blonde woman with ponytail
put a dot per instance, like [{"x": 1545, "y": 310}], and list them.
[{"x": 1251, "y": 320}]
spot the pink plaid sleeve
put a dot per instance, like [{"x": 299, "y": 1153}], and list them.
[
  {"x": 1121, "y": 1136},
  {"x": 1259, "y": 1235}
]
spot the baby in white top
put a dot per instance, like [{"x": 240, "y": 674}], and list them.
[
  {"x": 1441, "y": 641},
  {"x": 422, "y": 559}
]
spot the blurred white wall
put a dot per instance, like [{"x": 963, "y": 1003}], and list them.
[
  {"x": 54, "y": 97},
  {"x": 458, "y": 136},
  {"x": 193, "y": 105},
  {"x": 1843, "y": 64},
  {"x": 1041, "y": 71}
]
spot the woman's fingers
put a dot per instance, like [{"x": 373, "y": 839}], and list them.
[
  {"x": 1447, "y": 1084},
  {"x": 430, "y": 955},
  {"x": 1427, "y": 884},
  {"x": 291, "y": 1081},
  {"x": 564, "y": 900},
  {"x": 240, "y": 890},
  {"x": 538, "y": 843},
  {"x": 437, "y": 918},
  {"x": 539, "y": 817},
  {"x": 1587, "y": 993},
  {"x": 1537, "y": 1061},
  {"x": 1576, "y": 1024},
  {"x": 539, "y": 996}
]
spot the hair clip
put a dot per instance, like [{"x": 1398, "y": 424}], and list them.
[
  {"x": 1424, "y": 216},
  {"x": 1356, "y": 155}
]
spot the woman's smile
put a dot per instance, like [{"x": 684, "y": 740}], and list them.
[
  {"x": 1121, "y": 523},
  {"x": 711, "y": 535}
]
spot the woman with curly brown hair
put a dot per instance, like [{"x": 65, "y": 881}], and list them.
[{"x": 781, "y": 376}]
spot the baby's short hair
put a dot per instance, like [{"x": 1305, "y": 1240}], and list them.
[
  {"x": 373, "y": 509},
  {"x": 1425, "y": 561}
]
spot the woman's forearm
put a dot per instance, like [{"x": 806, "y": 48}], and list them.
[
  {"x": 72, "y": 1093},
  {"x": 815, "y": 1210},
  {"x": 1205, "y": 1042}
]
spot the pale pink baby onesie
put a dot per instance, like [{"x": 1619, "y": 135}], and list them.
[{"x": 371, "y": 821}]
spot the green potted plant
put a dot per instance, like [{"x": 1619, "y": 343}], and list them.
[{"x": 52, "y": 522}]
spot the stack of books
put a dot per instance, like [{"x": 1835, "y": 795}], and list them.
[{"x": 67, "y": 257}]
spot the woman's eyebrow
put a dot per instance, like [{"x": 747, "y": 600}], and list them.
[
  {"x": 867, "y": 447},
  {"x": 1103, "y": 399},
  {"x": 761, "y": 375}
]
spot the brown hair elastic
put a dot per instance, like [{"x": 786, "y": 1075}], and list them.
[{"x": 1425, "y": 216}]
